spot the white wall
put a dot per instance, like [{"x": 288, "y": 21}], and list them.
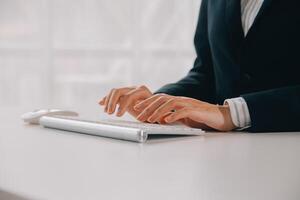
[{"x": 71, "y": 52}]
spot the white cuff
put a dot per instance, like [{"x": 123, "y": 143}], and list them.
[{"x": 239, "y": 112}]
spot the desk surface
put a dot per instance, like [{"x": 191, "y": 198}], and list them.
[{"x": 38, "y": 163}]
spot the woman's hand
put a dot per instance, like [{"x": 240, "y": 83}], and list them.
[
  {"x": 126, "y": 98},
  {"x": 164, "y": 108}
]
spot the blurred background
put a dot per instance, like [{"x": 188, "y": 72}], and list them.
[{"x": 69, "y": 53}]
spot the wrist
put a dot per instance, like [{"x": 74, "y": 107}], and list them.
[{"x": 228, "y": 122}]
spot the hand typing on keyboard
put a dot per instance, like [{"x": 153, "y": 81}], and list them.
[
  {"x": 126, "y": 98},
  {"x": 165, "y": 109}
]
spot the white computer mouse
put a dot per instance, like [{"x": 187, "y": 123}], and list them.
[{"x": 34, "y": 116}]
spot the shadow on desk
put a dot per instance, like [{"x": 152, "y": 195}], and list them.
[
  {"x": 10, "y": 196},
  {"x": 156, "y": 139}
]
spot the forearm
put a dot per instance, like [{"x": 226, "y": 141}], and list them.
[
  {"x": 200, "y": 88},
  {"x": 274, "y": 110}
]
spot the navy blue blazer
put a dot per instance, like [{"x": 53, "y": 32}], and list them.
[{"x": 262, "y": 67}]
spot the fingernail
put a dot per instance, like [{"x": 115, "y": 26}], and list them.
[
  {"x": 119, "y": 111},
  {"x": 168, "y": 119},
  {"x": 151, "y": 120}
]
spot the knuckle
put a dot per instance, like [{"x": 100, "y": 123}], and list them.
[
  {"x": 118, "y": 94},
  {"x": 160, "y": 96},
  {"x": 160, "y": 100},
  {"x": 126, "y": 89},
  {"x": 116, "y": 90},
  {"x": 126, "y": 97},
  {"x": 143, "y": 87},
  {"x": 172, "y": 101}
]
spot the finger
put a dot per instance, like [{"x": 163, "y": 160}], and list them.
[
  {"x": 154, "y": 103},
  {"x": 143, "y": 104},
  {"x": 102, "y": 101},
  {"x": 114, "y": 98},
  {"x": 129, "y": 98},
  {"x": 163, "y": 117},
  {"x": 162, "y": 120},
  {"x": 107, "y": 101},
  {"x": 168, "y": 106},
  {"x": 185, "y": 116},
  {"x": 179, "y": 115},
  {"x": 132, "y": 111}
]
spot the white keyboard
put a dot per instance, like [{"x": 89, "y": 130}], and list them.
[{"x": 126, "y": 130}]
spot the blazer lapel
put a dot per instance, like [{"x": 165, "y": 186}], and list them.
[
  {"x": 234, "y": 22},
  {"x": 262, "y": 11}
]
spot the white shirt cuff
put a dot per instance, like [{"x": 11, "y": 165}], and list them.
[{"x": 239, "y": 112}]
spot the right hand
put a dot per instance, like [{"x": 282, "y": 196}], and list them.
[{"x": 126, "y": 98}]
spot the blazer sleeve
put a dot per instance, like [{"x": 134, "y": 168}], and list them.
[
  {"x": 199, "y": 82},
  {"x": 274, "y": 110}
]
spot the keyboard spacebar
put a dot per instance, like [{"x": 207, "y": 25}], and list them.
[{"x": 105, "y": 130}]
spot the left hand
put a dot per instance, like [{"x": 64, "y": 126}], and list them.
[{"x": 166, "y": 109}]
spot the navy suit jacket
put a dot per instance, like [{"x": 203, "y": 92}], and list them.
[{"x": 262, "y": 67}]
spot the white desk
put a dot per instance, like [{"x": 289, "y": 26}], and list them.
[{"x": 37, "y": 163}]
